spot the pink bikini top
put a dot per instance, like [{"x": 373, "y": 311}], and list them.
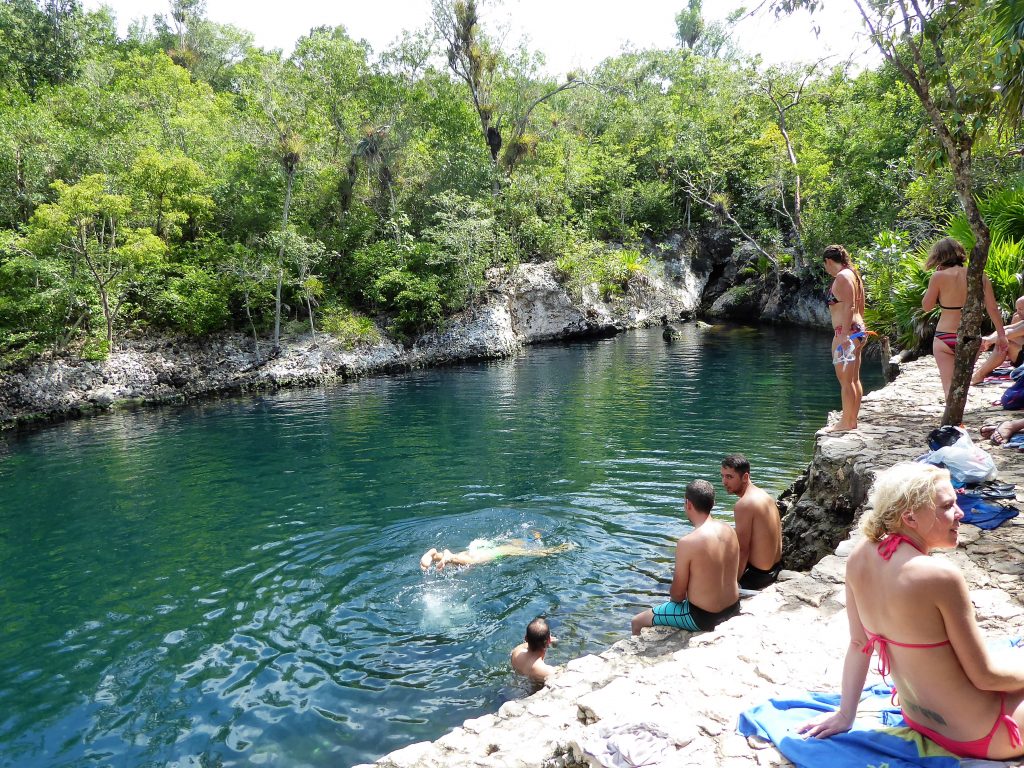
[{"x": 886, "y": 548}]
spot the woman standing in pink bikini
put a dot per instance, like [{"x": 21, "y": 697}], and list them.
[
  {"x": 914, "y": 611},
  {"x": 947, "y": 289},
  {"x": 845, "y": 299}
]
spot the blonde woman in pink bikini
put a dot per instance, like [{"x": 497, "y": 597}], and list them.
[
  {"x": 845, "y": 299},
  {"x": 914, "y": 612}
]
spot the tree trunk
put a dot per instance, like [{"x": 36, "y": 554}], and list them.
[
  {"x": 248, "y": 314},
  {"x": 280, "y": 260},
  {"x": 969, "y": 333},
  {"x": 312, "y": 329}
]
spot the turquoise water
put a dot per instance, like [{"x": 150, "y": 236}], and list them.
[{"x": 236, "y": 582}]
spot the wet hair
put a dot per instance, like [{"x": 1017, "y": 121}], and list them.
[
  {"x": 738, "y": 462},
  {"x": 841, "y": 256},
  {"x": 538, "y": 634},
  {"x": 701, "y": 494},
  {"x": 947, "y": 252},
  {"x": 900, "y": 489}
]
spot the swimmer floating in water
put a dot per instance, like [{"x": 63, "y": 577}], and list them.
[{"x": 485, "y": 550}]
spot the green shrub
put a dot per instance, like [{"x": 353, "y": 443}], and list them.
[
  {"x": 195, "y": 302},
  {"x": 347, "y": 327},
  {"x": 895, "y": 280},
  {"x": 95, "y": 348}
]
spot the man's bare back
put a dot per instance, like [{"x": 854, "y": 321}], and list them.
[
  {"x": 527, "y": 658},
  {"x": 704, "y": 591},
  {"x": 765, "y": 547},
  {"x": 530, "y": 664},
  {"x": 709, "y": 555}
]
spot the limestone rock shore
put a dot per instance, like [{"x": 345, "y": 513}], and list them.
[
  {"x": 525, "y": 307},
  {"x": 789, "y": 639}
]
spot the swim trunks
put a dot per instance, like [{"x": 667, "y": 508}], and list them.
[
  {"x": 485, "y": 549},
  {"x": 854, "y": 328},
  {"x": 686, "y": 615},
  {"x": 755, "y": 578}
]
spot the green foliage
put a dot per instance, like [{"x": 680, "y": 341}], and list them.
[
  {"x": 895, "y": 280},
  {"x": 591, "y": 264},
  {"x": 94, "y": 348},
  {"x": 351, "y": 329},
  {"x": 195, "y": 302},
  {"x": 1004, "y": 268},
  {"x": 380, "y": 183}
]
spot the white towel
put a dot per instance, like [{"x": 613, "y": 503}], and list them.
[{"x": 628, "y": 745}]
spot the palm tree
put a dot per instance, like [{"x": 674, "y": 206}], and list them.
[{"x": 1008, "y": 30}]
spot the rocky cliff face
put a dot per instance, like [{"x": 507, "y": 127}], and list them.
[
  {"x": 529, "y": 305},
  {"x": 525, "y": 307},
  {"x": 736, "y": 290}
]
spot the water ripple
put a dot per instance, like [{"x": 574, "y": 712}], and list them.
[{"x": 236, "y": 582}]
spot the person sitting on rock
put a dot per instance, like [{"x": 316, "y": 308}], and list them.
[
  {"x": 528, "y": 657},
  {"x": 1014, "y": 337},
  {"x": 915, "y": 611},
  {"x": 486, "y": 550},
  {"x": 758, "y": 525},
  {"x": 704, "y": 592}
]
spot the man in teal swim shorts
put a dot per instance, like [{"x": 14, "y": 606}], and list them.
[{"x": 704, "y": 592}]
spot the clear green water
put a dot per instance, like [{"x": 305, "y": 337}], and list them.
[{"x": 236, "y": 583}]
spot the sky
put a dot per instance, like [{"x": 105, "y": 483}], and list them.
[{"x": 570, "y": 33}]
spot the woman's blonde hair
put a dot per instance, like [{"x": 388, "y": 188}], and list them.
[{"x": 899, "y": 489}]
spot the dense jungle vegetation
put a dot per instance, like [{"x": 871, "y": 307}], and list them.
[{"x": 184, "y": 180}]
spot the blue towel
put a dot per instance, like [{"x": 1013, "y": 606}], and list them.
[
  {"x": 875, "y": 739},
  {"x": 984, "y": 513}
]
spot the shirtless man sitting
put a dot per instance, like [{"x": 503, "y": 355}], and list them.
[
  {"x": 758, "y": 525},
  {"x": 528, "y": 657},
  {"x": 704, "y": 591}
]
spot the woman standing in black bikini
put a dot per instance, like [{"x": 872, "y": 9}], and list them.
[
  {"x": 845, "y": 300},
  {"x": 947, "y": 289}
]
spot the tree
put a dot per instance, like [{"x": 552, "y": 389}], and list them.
[
  {"x": 88, "y": 225},
  {"x": 1008, "y": 31},
  {"x": 945, "y": 51},
  {"x": 475, "y": 60},
  {"x": 784, "y": 91},
  {"x": 171, "y": 191},
  {"x": 41, "y": 43},
  {"x": 250, "y": 272},
  {"x": 696, "y": 35},
  {"x": 279, "y": 101}
]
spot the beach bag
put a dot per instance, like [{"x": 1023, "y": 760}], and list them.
[
  {"x": 1013, "y": 397},
  {"x": 966, "y": 462}
]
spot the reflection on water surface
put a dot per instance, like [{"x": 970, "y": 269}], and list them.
[{"x": 236, "y": 582}]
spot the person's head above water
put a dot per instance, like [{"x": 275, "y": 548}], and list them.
[
  {"x": 538, "y": 634},
  {"x": 701, "y": 494},
  {"x": 947, "y": 252},
  {"x": 899, "y": 496}
]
